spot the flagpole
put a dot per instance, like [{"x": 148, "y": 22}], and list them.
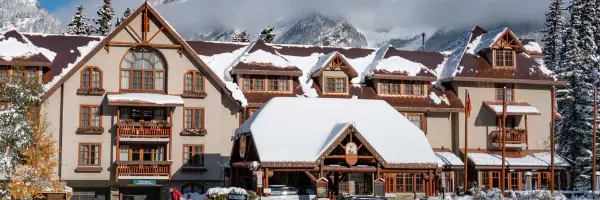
[
  {"x": 466, "y": 137},
  {"x": 552, "y": 140},
  {"x": 594, "y": 142},
  {"x": 503, "y": 174}
]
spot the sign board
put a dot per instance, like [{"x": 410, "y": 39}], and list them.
[
  {"x": 236, "y": 197},
  {"x": 259, "y": 177},
  {"x": 267, "y": 190},
  {"x": 322, "y": 191},
  {"x": 51, "y": 196},
  {"x": 351, "y": 153},
  {"x": 242, "y": 146},
  {"x": 144, "y": 182}
]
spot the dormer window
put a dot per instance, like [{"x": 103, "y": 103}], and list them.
[
  {"x": 504, "y": 58},
  {"x": 397, "y": 88},
  {"x": 263, "y": 83},
  {"x": 336, "y": 84},
  {"x": 143, "y": 69}
]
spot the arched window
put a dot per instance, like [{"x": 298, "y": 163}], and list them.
[
  {"x": 91, "y": 77},
  {"x": 143, "y": 69},
  {"x": 194, "y": 81},
  {"x": 192, "y": 188}
]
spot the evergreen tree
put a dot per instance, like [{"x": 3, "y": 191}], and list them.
[
  {"x": 576, "y": 100},
  {"x": 105, "y": 16},
  {"x": 125, "y": 15},
  {"x": 79, "y": 25},
  {"x": 553, "y": 36},
  {"x": 268, "y": 34},
  {"x": 241, "y": 37}
]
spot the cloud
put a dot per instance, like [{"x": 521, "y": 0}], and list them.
[{"x": 409, "y": 15}]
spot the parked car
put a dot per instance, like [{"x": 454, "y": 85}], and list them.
[{"x": 283, "y": 192}]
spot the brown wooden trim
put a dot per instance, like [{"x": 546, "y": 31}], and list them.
[
  {"x": 266, "y": 72},
  {"x": 83, "y": 169},
  {"x": 401, "y": 77},
  {"x": 91, "y": 113},
  {"x": 133, "y": 44},
  {"x": 91, "y": 68},
  {"x": 89, "y": 155},
  {"x": 402, "y": 88},
  {"x": 517, "y": 81},
  {"x": 339, "y": 62},
  {"x": 137, "y": 36},
  {"x": 193, "y": 114},
  {"x": 155, "y": 34},
  {"x": 428, "y": 109},
  {"x": 143, "y": 162},
  {"x": 193, "y": 146},
  {"x": 130, "y": 103},
  {"x": 346, "y": 84},
  {"x": 266, "y": 84}
]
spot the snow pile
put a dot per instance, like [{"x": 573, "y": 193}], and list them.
[
  {"x": 533, "y": 47},
  {"x": 193, "y": 196},
  {"x": 390, "y": 137},
  {"x": 450, "y": 64},
  {"x": 305, "y": 64},
  {"x": 225, "y": 191},
  {"x": 361, "y": 64},
  {"x": 12, "y": 48},
  {"x": 515, "y": 109},
  {"x": 399, "y": 64},
  {"x": 379, "y": 54},
  {"x": 159, "y": 99},
  {"x": 323, "y": 60},
  {"x": 83, "y": 51},
  {"x": 260, "y": 56},
  {"x": 448, "y": 159},
  {"x": 474, "y": 44},
  {"x": 495, "y": 194},
  {"x": 439, "y": 99},
  {"x": 221, "y": 64}
]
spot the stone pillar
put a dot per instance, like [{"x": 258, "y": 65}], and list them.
[
  {"x": 114, "y": 193},
  {"x": 351, "y": 188}
]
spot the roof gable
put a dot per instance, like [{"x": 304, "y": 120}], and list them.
[
  {"x": 331, "y": 61},
  {"x": 144, "y": 40}
]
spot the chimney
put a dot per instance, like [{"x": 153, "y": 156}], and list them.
[{"x": 423, "y": 40}]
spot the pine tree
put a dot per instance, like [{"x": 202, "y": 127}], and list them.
[
  {"x": 79, "y": 25},
  {"x": 105, "y": 16},
  {"x": 125, "y": 15},
  {"x": 553, "y": 36},
  {"x": 268, "y": 34},
  {"x": 576, "y": 101},
  {"x": 241, "y": 37}
]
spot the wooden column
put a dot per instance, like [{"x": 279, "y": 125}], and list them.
[
  {"x": 117, "y": 136},
  {"x": 171, "y": 134},
  {"x": 527, "y": 133},
  {"x": 503, "y": 172},
  {"x": 466, "y": 170},
  {"x": 266, "y": 179}
]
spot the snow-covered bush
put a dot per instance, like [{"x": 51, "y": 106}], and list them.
[{"x": 218, "y": 193}]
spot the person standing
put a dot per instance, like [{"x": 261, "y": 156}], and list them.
[{"x": 175, "y": 194}]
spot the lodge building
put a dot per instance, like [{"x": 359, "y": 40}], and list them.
[{"x": 142, "y": 110}]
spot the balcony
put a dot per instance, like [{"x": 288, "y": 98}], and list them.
[
  {"x": 515, "y": 138},
  {"x": 143, "y": 170},
  {"x": 138, "y": 132}
]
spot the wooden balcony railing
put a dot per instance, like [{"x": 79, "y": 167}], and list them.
[
  {"x": 513, "y": 136},
  {"x": 143, "y": 132},
  {"x": 144, "y": 169}
]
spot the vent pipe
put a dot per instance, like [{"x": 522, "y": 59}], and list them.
[{"x": 423, "y": 41}]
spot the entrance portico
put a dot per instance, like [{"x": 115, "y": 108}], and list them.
[{"x": 331, "y": 146}]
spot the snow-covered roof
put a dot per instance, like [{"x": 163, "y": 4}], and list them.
[
  {"x": 487, "y": 40},
  {"x": 514, "y": 108},
  {"x": 144, "y": 98},
  {"x": 312, "y": 124},
  {"x": 456, "y": 52},
  {"x": 448, "y": 159},
  {"x": 21, "y": 47},
  {"x": 541, "y": 159},
  {"x": 532, "y": 47}
]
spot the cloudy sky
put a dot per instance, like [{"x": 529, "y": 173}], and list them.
[{"x": 411, "y": 16}]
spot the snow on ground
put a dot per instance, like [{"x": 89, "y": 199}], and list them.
[
  {"x": 11, "y": 48},
  {"x": 146, "y": 98},
  {"x": 83, "y": 51},
  {"x": 533, "y": 47},
  {"x": 515, "y": 109},
  {"x": 222, "y": 191}
]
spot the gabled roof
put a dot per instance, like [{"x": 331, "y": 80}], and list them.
[
  {"x": 278, "y": 139},
  {"x": 490, "y": 39},
  {"x": 326, "y": 59},
  {"x": 211, "y": 76}
]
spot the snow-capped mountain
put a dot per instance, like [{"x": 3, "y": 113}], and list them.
[{"x": 27, "y": 16}]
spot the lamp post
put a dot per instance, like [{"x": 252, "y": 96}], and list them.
[
  {"x": 254, "y": 165},
  {"x": 528, "y": 180}
]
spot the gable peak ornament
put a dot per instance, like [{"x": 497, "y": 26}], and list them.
[{"x": 351, "y": 154}]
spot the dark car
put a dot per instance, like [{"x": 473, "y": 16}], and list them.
[{"x": 361, "y": 197}]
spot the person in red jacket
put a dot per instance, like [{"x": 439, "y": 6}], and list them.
[{"x": 175, "y": 194}]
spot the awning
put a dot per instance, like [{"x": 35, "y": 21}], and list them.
[
  {"x": 449, "y": 160},
  {"x": 513, "y": 108},
  {"x": 525, "y": 160},
  {"x": 144, "y": 99}
]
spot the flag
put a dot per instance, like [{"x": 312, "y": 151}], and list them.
[{"x": 468, "y": 106}]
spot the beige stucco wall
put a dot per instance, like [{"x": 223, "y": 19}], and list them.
[
  {"x": 221, "y": 113},
  {"x": 483, "y": 121},
  {"x": 439, "y": 130}
]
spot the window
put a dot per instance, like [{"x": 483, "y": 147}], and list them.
[
  {"x": 90, "y": 115},
  {"x": 397, "y": 87},
  {"x": 514, "y": 181},
  {"x": 335, "y": 85},
  {"x": 409, "y": 182},
  {"x": 192, "y": 188},
  {"x": 91, "y": 77},
  {"x": 142, "y": 152},
  {"x": 504, "y": 58},
  {"x": 389, "y": 87},
  {"x": 194, "y": 118},
  {"x": 143, "y": 69},
  {"x": 509, "y": 92},
  {"x": 34, "y": 114},
  {"x": 193, "y": 155},
  {"x": 495, "y": 179},
  {"x": 89, "y": 154},
  {"x": 399, "y": 182},
  {"x": 485, "y": 179},
  {"x": 419, "y": 183},
  {"x": 137, "y": 114},
  {"x": 4, "y": 73},
  {"x": 267, "y": 83},
  {"x": 417, "y": 119},
  {"x": 194, "y": 81},
  {"x": 3, "y": 106},
  {"x": 31, "y": 74}
]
